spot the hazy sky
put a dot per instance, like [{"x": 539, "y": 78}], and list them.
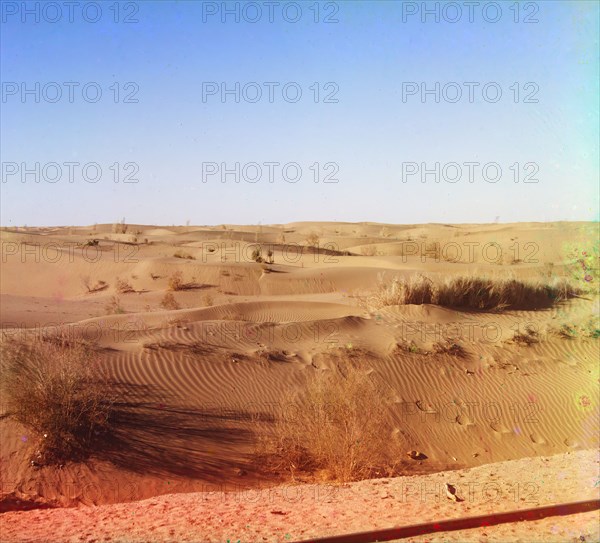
[{"x": 361, "y": 131}]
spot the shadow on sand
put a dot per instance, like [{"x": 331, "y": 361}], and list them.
[{"x": 152, "y": 438}]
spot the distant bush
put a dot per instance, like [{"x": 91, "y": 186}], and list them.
[
  {"x": 123, "y": 286},
  {"x": 176, "y": 281},
  {"x": 528, "y": 336},
  {"x": 181, "y": 254},
  {"x": 120, "y": 227},
  {"x": 113, "y": 306},
  {"x": 169, "y": 302},
  {"x": 589, "y": 329},
  {"x": 368, "y": 250},
  {"x": 53, "y": 389},
  {"x": 97, "y": 287},
  {"x": 257, "y": 255},
  {"x": 313, "y": 239}
]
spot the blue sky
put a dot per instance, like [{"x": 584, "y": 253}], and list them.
[{"x": 367, "y": 134}]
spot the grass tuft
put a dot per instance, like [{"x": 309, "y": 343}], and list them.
[{"x": 471, "y": 293}]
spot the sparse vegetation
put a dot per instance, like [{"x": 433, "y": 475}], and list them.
[
  {"x": 450, "y": 347},
  {"x": 471, "y": 293},
  {"x": 257, "y": 254},
  {"x": 120, "y": 227},
  {"x": 589, "y": 329},
  {"x": 113, "y": 306},
  {"x": 181, "y": 254},
  {"x": 337, "y": 428},
  {"x": 313, "y": 239},
  {"x": 97, "y": 287},
  {"x": 408, "y": 347},
  {"x": 53, "y": 388},
  {"x": 176, "y": 281},
  {"x": 208, "y": 300},
  {"x": 123, "y": 287},
  {"x": 528, "y": 336},
  {"x": 169, "y": 302},
  {"x": 445, "y": 346},
  {"x": 368, "y": 250}
]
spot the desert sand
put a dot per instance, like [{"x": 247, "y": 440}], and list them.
[{"x": 204, "y": 377}]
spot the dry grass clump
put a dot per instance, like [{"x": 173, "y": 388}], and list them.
[
  {"x": 120, "y": 227},
  {"x": 53, "y": 389},
  {"x": 123, "y": 286},
  {"x": 408, "y": 347},
  {"x": 450, "y": 347},
  {"x": 113, "y": 306},
  {"x": 169, "y": 301},
  {"x": 97, "y": 287},
  {"x": 176, "y": 281},
  {"x": 471, "y": 293},
  {"x": 528, "y": 336},
  {"x": 313, "y": 239},
  {"x": 589, "y": 329},
  {"x": 368, "y": 250},
  {"x": 446, "y": 346},
  {"x": 184, "y": 255},
  {"x": 337, "y": 428}
]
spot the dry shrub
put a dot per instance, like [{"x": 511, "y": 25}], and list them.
[
  {"x": 208, "y": 300},
  {"x": 176, "y": 281},
  {"x": 589, "y": 329},
  {"x": 113, "y": 306},
  {"x": 368, "y": 250},
  {"x": 313, "y": 239},
  {"x": 184, "y": 255},
  {"x": 408, "y": 347},
  {"x": 123, "y": 286},
  {"x": 450, "y": 347},
  {"x": 257, "y": 254},
  {"x": 120, "y": 227},
  {"x": 87, "y": 283},
  {"x": 338, "y": 428},
  {"x": 471, "y": 293},
  {"x": 52, "y": 388},
  {"x": 528, "y": 336},
  {"x": 169, "y": 301}
]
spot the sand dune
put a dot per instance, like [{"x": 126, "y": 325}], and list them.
[{"x": 201, "y": 384}]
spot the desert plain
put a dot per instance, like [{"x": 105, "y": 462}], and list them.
[{"x": 206, "y": 336}]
